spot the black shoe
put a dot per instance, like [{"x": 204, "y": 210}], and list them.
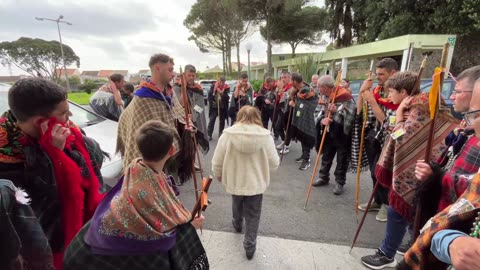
[
  {"x": 378, "y": 261},
  {"x": 305, "y": 165},
  {"x": 210, "y": 138},
  {"x": 403, "y": 248},
  {"x": 338, "y": 189},
  {"x": 299, "y": 160},
  {"x": 249, "y": 254},
  {"x": 237, "y": 229},
  {"x": 320, "y": 182}
]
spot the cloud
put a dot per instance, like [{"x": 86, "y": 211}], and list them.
[{"x": 119, "y": 34}]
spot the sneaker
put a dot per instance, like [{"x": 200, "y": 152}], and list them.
[
  {"x": 338, "y": 189},
  {"x": 373, "y": 207},
  {"x": 280, "y": 146},
  {"x": 378, "y": 261},
  {"x": 299, "y": 160},
  {"x": 285, "y": 150},
  {"x": 382, "y": 214},
  {"x": 403, "y": 248},
  {"x": 320, "y": 182},
  {"x": 305, "y": 165},
  {"x": 249, "y": 254}
]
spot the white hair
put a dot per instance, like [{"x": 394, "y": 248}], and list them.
[{"x": 326, "y": 81}]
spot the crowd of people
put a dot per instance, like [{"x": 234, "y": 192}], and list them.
[{"x": 55, "y": 215}]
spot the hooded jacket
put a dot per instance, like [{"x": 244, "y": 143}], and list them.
[{"x": 244, "y": 158}]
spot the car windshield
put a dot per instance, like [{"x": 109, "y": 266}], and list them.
[{"x": 80, "y": 116}]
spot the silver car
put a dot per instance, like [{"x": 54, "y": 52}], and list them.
[{"x": 102, "y": 130}]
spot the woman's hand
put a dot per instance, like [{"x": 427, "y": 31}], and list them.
[{"x": 197, "y": 222}]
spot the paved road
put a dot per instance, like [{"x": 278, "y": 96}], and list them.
[{"x": 328, "y": 218}]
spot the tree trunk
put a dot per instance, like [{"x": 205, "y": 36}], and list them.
[
  {"x": 269, "y": 47},
  {"x": 224, "y": 57},
  {"x": 229, "y": 51},
  {"x": 293, "y": 46},
  {"x": 238, "y": 59}
]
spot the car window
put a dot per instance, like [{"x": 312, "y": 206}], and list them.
[
  {"x": 82, "y": 117},
  {"x": 447, "y": 89},
  {"x": 3, "y": 102}
]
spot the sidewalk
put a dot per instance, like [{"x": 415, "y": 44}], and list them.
[{"x": 225, "y": 251}]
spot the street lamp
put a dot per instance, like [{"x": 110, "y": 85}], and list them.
[
  {"x": 58, "y": 21},
  {"x": 248, "y": 46}
]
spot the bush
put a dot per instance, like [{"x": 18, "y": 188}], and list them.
[
  {"x": 256, "y": 85},
  {"x": 88, "y": 86}
]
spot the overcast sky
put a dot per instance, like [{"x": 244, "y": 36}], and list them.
[{"x": 120, "y": 34}]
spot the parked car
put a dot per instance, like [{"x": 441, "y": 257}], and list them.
[
  {"x": 206, "y": 85},
  {"x": 102, "y": 130}
]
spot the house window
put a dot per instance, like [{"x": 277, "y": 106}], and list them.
[{"x": 281, "y": 57}]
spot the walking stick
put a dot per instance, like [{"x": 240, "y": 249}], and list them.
[
  {"x": 218, "y": 108},
  {"x": 286, "y": 132},
  {"x": 202, "y": 201},
  {"x": 435, "y": 95},
  {"x": 187, "y": 119},
  {"x": 364, "y": 216},
  {"x": 359, "y": 228},
  {"x": 274, "y": 114},
  {"x": 324, "y": 135},
  {"x": 362, "y": 140}
]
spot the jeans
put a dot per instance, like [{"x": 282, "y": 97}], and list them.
[
  {"x": 306, "y": 152},
  {"x": 394, "y": 233},
  {"x": 250, "y": 209}
]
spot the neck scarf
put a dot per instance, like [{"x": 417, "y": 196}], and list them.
[
  {"x": 384, "y": 101},
  {"x": 148, "y": 89},
  {"x": 138, "y": 216},
  {"x": 342, "y": 95}
]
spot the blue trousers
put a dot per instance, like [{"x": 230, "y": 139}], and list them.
[{"x": 394, "y": 233}]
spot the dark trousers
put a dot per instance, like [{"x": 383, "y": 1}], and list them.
[
  {"x": 394, "y": 233},
  {"x": 213, "y": 115},
  {"x": 335, "y": 146},
  {"x": 250, "y": 209},
  {"x": 306, "y": 151},
  {"x": 281, "y": 127},
  {"x": 267, "y": 115},
  {"x": 373, "y": 151}
]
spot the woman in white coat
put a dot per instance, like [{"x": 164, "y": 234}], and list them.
[{"x": 243, "y": 161}]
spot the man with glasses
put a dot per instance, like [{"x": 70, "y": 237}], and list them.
[{"x": 457, "y": 166}]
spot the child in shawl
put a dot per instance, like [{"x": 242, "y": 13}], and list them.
[
  {"x": 141, "y": 224},
  {"x": 396, "y": 166},
  {"x": 247, "y": 143}
]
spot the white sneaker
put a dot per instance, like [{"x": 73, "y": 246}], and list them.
[
  {"x": 280, "y": 146},
  {"x": 285, "y": 150}
]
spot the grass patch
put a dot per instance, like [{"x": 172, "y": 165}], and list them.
[{"x": 80, "y": 98}]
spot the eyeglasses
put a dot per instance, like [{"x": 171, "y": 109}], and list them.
[
  {"x": 456, "y": 92},
  {"x": 469, "y": 117}
]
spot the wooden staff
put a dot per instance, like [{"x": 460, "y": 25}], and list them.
[
  {"x": 431, "y": 135},
  {"x": 290, "y": 112},
  {"x": 274, "y": 113},
  {"x": 324, "y": 135},
  {"x": 187, "y": 119},
  {"x": 218, "y": 107},
  {"x": 202, "y": 202},
  {"x": 362, "y": 140}
]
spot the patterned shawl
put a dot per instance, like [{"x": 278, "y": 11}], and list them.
[
  {"x": 396, "y": 166},
  {"x": 303, "y": 117},
  {"x": 138, "y": 216},
  {"x": 12, "y": 140},
  {"x": 148, "y": 104},
  {"x": 419, "y": 256}
]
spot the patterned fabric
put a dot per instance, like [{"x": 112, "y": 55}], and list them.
[
  {"x": 456, "y": 180},
  {"x": 104, "y": 104},
  {"x": 396, "y": 166},
  {"x": 141, "y": 110},
  {"x": 373, "y": 128},
  {"x": 21, "y": 233},
  {"x": 12, "y": 140},
  {"x": 303, "y": 117},
  {"x": 419, "y": 256},
  {"x": 143, "y": 209},
  {"x": 187, "y": 254}
]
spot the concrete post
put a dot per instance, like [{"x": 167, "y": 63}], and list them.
[{"x": 344, "y": 67}]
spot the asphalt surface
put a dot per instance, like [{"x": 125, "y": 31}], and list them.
[{"x": 328, "y": 218}]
